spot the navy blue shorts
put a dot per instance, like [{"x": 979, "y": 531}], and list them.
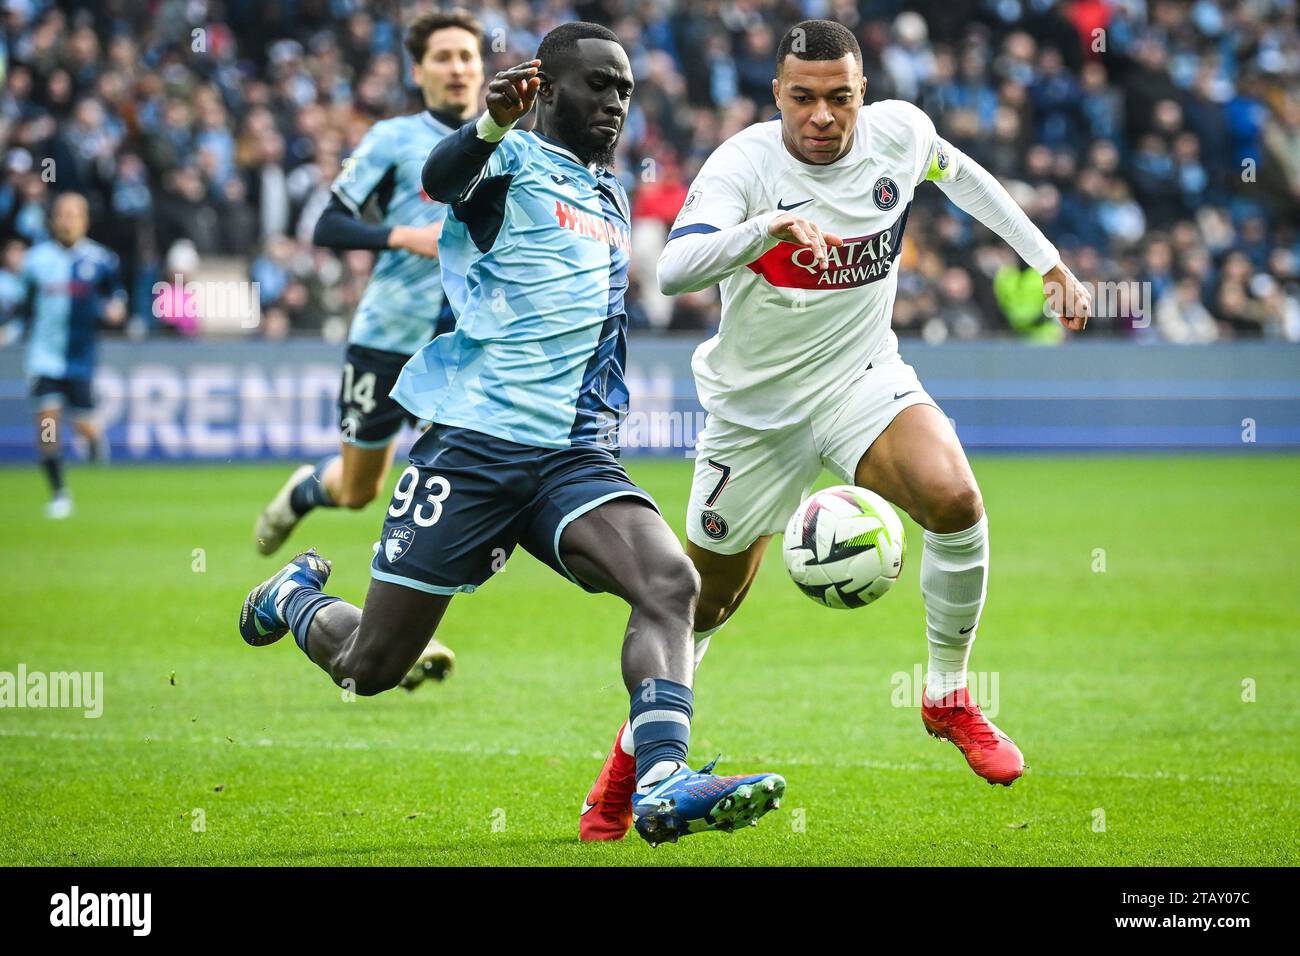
[
  {"x": 468, "y": 498},
  {"x": 368, "y": 418},
  {"x": 75, "y": 394}
]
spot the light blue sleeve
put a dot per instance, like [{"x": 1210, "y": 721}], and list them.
[
  {"x": 507, "y": 159},
  {"x": 363, "y": 171}
]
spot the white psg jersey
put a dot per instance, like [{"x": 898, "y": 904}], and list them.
[{"x": 792, "y": 332}]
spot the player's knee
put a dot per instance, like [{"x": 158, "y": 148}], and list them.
[
  {"x": 672, "y": 588},
  {"x": 954, "y": 507},
  {"x": 367, "y": 680},
  {"x": 356, "y": 498}
]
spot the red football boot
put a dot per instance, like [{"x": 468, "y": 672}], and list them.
[
  {"x": 989, "y": 751},
  {"x": 607, "y": 811}
]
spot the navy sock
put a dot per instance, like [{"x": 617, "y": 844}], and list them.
[
  {"x": 54, "y": 472},
  {"x": 301, "y": 606},
  {"x": 310, "y": 492},
  {"x": 99, "y": 449},
  {"x": 661, "y": 722}
]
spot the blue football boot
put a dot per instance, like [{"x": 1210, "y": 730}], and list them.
[
  {"x": 260, "y": 621},
  {"x": 691, "y": 801}
]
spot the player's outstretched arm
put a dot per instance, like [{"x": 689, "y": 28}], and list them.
[
  {"x": 974, "y": 190},
  {"x": 697, "y": 257},
  {"x": 340, "y": 228},
  {"x": 114, "y": 292},
  {"x": 13, "y": 330},
  {"x": 457, "y": 163}
]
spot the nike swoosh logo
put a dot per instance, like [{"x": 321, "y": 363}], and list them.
[
  {"x": 967, "y": 630},
  {"x": 904, "y": 394},
  {"x": 796, "y": 205}
]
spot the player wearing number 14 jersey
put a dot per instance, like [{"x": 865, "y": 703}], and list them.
[{"x": 800, "y": 221}]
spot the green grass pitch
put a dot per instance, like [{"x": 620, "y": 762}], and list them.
[{"x": 1127, "y": 688}]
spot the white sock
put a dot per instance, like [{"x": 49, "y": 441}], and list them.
[
  {"x": 701, "y": 645},
  {"x": 282, "y": 594},
  {"x": 954, "y": 582},
  {"x": 660, "y": 771},
  {"x": 702, "y": 639}
]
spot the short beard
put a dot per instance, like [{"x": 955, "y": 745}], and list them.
[
  {"x": 574, "y": 132},
  {"x": 602, "y": 154}
]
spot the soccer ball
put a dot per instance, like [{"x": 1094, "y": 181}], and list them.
[{"x": 844, "y": 547}]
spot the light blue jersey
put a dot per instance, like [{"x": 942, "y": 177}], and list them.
[
  {"x": 67, "y": 289},
  {"x": 400, "y": 308},
  {"x": 534, "y": 263}
]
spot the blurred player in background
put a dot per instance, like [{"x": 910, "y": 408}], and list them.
[
  {"x": 403, "y": 306},
  {"x": 525, "y": 396},
  {"x": 805, "y": 374},
  {"x": 69, "y": 285}
]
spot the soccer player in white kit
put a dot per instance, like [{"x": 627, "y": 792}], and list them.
[{"x": 800, "y": 221}]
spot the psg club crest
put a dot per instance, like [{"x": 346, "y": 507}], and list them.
[
  {"x": 398, "y": 542},
  {"x": 714, "y": 525},
  {"x": 885, "y": 193}
]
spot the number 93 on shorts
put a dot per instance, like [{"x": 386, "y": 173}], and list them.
[{"x": 467, "y": 499}]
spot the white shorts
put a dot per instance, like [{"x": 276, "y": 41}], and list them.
[{"x": 748, "y": 481}]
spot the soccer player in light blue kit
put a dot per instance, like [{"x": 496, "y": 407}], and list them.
[
  {"x": 525, "y": 396},
  {"x": 403, "y": 305},
  {"x": 71, "y": 284}
]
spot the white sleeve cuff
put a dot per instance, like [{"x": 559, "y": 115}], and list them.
[{"x": 489, "y": 131}]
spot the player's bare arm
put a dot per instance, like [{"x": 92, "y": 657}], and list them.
[
  {"x": 115, "y": 311},
  {"x": 418, "y": 240}
]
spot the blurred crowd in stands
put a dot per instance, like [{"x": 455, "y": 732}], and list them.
[{"x": 1156, "y": 142}]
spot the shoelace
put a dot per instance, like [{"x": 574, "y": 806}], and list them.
[
  {"x": 706, "y": 769},
  {"x": 969, "y": 719}
]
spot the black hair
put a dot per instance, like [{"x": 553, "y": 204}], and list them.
[
  {"x": 818, "y": 40},
  {"x": 563, "y": 41}
]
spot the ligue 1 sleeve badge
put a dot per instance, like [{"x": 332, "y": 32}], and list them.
[
  {"x": 885, "y": 193},
  {"x": 398, "y": 542}
]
